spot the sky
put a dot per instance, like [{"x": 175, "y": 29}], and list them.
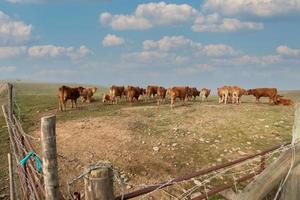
[{"x": 209, "y": 43}]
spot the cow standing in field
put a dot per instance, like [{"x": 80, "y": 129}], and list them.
[
  {"x": 237, "y": 93},
  {"x": 87, "y": 94},
  {"x": 178, "y": 92},
  {"x": 65, "y": 93},
  {"x": 161, "y": 94},
  {"x": 223, "y": 94},
  {"x": 264, "y": 92},
  {"x": 204, "y": 93},
  {"x": 117, "y": 91},
  {"x": 193, "y": 93},
  {"x": 151, "y": 91},
  {"x": 133, "y": 93}
]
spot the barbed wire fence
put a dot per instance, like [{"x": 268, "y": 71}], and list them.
[
  {"x": 29, "y": 183},
  {"x": 26, "y": 174}
]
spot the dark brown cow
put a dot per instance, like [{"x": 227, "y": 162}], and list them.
[
  {"x": 204, "y": 94},
  {"x": 283, "y": 101},
  {"x": 161, "y": 94},
  {"x": 87, "y": 94},
  {"x": 264, "y": 92},
  {"x": 193, "y": 92},
  {"x": 178, "y": 92},
  {"x": 151, "y": 91},
  {"x": 117, "y": 91},
  {"x": 133, "y": 93},
  {"x": 65, "y": 93}
]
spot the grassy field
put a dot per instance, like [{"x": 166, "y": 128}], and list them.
[{"x": 146, "y": 142}]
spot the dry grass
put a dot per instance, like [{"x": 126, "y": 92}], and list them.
[{"x": 189, "y": 136}]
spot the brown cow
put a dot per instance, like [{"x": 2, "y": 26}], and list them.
[
  {"x": 106, "y": 98},
  {"x": 65, "y": 93},
  {"x": 178, "y": 92},
  {"x": 204, "y": 93},
  {"x": 151, "y": 91},
  {"x": 161, "y": 94},
  {"x": 133, "y": 93},
  {"x": 87, "y": 94},
  {"x": 193, "y": 93},
  {"x": 264, "y": 92},
  {"x": 283, "y": 101},
  {"x": 117, "y": 91}
]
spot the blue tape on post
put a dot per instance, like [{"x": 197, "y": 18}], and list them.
[{"x": 36, "y": 158}]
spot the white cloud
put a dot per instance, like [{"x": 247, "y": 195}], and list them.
[
  {"x": 7, "y": 69},
  {"x": 168, "y": 43},
  {"x": 10, "y": 51},
  {"x": 146, "y": 56},
  {"x": 149, "y": 15},
  {"x": 112, "y": 40},
  {"x": 180, "y": 60},
  {"x": 12, "y": 31},
  {"x": 177, "y": 43},
  {"x": 262, "y": 8},
  {"x": 216, "y": 50},
  {"x": 162, "y": 13},
  {"x": 249, "y": 60},
  {"x": 287, "y": 51},
  {"x": 56, "y": 51},
  {"x": 214, "y": 23}
]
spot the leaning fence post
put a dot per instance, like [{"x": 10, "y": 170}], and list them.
[
  {"x": 49, "y": 157},
  {"x": 11, "y": 181},
  {"x": 291, "y": 190},
  {"x": 98, "y": 184},
  {"x": 10, "y": 101}
]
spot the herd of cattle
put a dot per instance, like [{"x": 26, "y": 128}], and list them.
[{"x": 227, "y": 94}]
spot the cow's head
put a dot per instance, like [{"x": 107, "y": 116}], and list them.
[
  {"x": 249, "y": 92},
  {"x": 80, "y": 90},
  {"x": 94, "y": 89}
]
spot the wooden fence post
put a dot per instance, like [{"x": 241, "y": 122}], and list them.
[
  {"x": 275, "y": 172},
  {"x": 98, "y": 184},
  {"x": 11, "y": 180},
  {"x": 10, "y": 101},
  {"x": 291, "y": 189},
  {"x": 49, "y": 157}
]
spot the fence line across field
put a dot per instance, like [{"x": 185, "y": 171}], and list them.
[{"x": 27, "y": 182}]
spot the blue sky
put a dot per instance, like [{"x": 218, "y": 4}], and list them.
[{"x": 252, "y": 43}]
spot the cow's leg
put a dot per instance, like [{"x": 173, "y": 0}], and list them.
[
  {"x": 59, "y": 105},
  {"x": 64, "y": 105},
  {"x": 172, "y": 102},
  {"x": 257, "y": 99},
  {"x": 225, "y": 98},
  {"x": 75, "y": 101}
]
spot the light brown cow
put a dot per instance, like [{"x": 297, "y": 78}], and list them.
[
  {"x": 161, "y": 94},
  {"x": 237, "y": 93},
  {"x": 87, "y": 94},
  {"x": 178, "y": 92},
  {"x": 283, "y": 101},
  {"x": 204, "y": 93},
  {"x": 151, "y": 91},
  {"x": 117, "y": 91},
  {"x": 65, "y": 93},
  {"x": 223, "y": 94},
  {"x": 264, "y": 92},
  {"x": 106, "y": 98}
]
